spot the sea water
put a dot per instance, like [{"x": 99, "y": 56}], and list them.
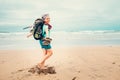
[{"x": 15, "y": 38}]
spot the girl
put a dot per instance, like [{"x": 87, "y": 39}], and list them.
[{"x": 47, "y": 50}]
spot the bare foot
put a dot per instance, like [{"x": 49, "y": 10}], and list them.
[
  {"x": 39, "y": 65},
  {"x": 42, "y": 66}
]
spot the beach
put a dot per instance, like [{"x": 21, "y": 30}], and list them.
[
  {"x": 71, "y": 63},
  {"x": 85, "y": 39}
]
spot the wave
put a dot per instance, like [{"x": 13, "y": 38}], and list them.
[
  {"x": 13, "y": 36},
  {"x": 68, "y": 32},
  {"x": 64, "y": 37},
  {"x": 89, "y": 32},
  {"x": 12, "y": 33}
]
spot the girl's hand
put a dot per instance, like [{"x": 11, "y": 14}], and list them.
[{"x": 29, "y": 35}]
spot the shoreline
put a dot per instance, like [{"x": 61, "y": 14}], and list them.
[{"x": 56, "y": 47}]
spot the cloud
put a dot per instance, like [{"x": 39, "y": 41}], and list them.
[{"x": 67, "y": 13}]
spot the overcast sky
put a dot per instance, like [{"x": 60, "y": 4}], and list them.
[{"x": 79, "y": 14}]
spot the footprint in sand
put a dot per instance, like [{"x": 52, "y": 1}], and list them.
[
  {"x": 18, "y": 71},
  {"x": 26, "y": 72},
  {"x": 78, "y": 71},
  {"x": 118, "y": 65},
  {"x": 2, "y": 62},
  {"x": 113, "y": 63},
  {"x": 74, "y": 78},
  {"x": 35, "y": 69}
]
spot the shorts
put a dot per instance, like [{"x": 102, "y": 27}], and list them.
[{"x": 44, "y": 46}]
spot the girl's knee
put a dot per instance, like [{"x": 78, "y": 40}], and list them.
[{"x": 50, "y": 52}]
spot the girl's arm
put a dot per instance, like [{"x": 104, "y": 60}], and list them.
[
  {"x": 47, "y": 33},
  {"x": 30, "y": 34}
]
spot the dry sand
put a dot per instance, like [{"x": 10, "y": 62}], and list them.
[{"x": 71, "y": 63}]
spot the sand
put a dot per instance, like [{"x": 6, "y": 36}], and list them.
[{"x": 71, "y": 63}]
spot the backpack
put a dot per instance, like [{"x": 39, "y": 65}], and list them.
[{"x": 38, "y": 29}]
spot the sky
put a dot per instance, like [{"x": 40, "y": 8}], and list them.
[{"x": 65, "y": 14}]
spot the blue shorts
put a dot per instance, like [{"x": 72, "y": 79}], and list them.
[{"x": 44, "y": 46}]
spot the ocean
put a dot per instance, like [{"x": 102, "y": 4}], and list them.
[{"x": 15, "y": 38}]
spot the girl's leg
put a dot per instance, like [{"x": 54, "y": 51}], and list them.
[
  {"x": 42, "y": 62},
  {"x": 44, "y": 52},
  {"x": 49, "y": 53}
]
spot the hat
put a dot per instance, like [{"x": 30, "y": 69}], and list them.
[{"x": 44, "y": 16}]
